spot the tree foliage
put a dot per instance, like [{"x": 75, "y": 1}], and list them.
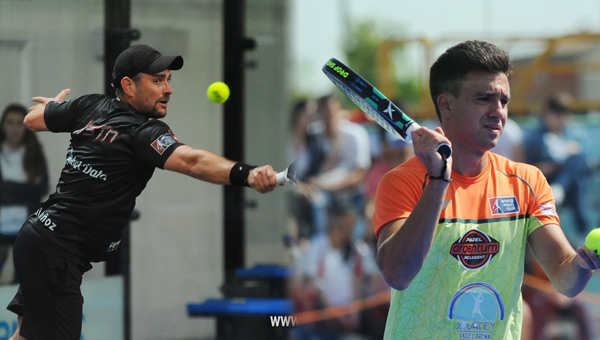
[{"x": 361, "y": 47}]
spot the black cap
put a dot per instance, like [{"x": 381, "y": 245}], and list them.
[{"x": 142, "y": 58}]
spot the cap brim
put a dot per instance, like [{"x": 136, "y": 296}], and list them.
[{"x": 165, "y": 63}]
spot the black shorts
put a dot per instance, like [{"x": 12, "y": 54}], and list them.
[{"x": 49, "y": 297}]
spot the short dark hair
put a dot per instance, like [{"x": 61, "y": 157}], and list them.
[
  {"x": 452, "y": 67},
  {"x": 119, "y": 90},
  {"x": 298, "y": 109},
  {"x": 340, "y": 207},
  {"x": 559, "y": 103},
  {"x": 323, "y": 101}
]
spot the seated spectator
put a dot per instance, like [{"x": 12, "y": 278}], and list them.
[
  {"x": 561, "y": 159},
  {"x": 335, "y": 270},
  {"x": 510, "y": 144},
  {"x": 394, "y": 151},
  {"x": 346, "y": 157},
  {"x": 303, "y": 151}
]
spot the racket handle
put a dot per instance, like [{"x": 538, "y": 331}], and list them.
[
  {"x": 281, "y": 176},
  {"x": 443, "y": 149},
  {"x": 413, "y": 126}
]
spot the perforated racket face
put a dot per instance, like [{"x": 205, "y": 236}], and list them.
[
  {"x": 364, "y": 106},
  {"x": 374, "y": 103},
  {"x": 368, "y": 98}
]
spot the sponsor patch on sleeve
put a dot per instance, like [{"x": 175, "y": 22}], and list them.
[
  {"x": 548, "y": 208},
  {"x": 163, "y": 142}
]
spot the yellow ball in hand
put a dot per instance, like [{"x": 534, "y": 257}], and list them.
[
  {"x": 592, "y": 240},
  {"x": 218, "y": 92}
]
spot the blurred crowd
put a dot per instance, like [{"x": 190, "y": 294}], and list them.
[
  {"x": 341, "y": 155},
  {"x": 339, "y": 158}
]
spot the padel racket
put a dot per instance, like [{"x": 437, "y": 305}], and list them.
[
  {"x": 374, "y": 103},
  {"x": 287, "y": 175}
]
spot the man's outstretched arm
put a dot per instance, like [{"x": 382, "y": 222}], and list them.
[
  {"x": 207, "y": 166},
  {"x": 34, "y": 120}
]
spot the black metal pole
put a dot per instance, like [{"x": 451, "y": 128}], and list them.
[
  {"x": 233, "y": 132},
  {"x": 117, "y": 37}
]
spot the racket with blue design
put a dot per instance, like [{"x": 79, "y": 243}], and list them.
[{"x": 373, "y": 103}]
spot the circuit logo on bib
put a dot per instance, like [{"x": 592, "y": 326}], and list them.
[
  {"x": 477, "y": 310},
  {"x": 474, "y": 249},
  {"x": 503, "y": 205}
]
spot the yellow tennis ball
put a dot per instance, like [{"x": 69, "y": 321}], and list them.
[
  {"x": 592, "y": 240},
  {"x": 218, "y": 92}
]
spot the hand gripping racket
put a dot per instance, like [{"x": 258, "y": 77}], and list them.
[{"x": 374, "y": 103}]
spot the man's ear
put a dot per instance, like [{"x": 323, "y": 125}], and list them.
[
  {"x": 128, "y": 86},
  {"x": 444, "y": 102}
]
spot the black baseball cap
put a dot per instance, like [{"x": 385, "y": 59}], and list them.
[{"x": 142, "y": 58}]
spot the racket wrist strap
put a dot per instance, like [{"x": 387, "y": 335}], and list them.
[
  {"x": 441, "y": 176},
  {"x": 238, "y": 175}
]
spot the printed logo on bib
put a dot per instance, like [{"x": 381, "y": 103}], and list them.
[
  {"x": 503, "y": 205},
  {"x": 474, "y": 249},
  {"x": 163, "y": 142},
  {"x": 476, "y": 310}
]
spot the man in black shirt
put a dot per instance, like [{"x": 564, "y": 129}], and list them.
[{"x": 115, "y": 146}]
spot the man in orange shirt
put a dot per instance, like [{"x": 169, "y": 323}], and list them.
[{"x": 452, "y": 233}]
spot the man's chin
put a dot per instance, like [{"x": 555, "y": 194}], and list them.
[{"x": 157, "y": 114}]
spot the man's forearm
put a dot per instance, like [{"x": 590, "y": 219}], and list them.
[
  {"x": 402, "y": 254},
  {"x": 571, "y": 278}
]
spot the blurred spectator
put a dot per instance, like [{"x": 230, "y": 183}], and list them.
[
  {"x": 510, "y": 144},
  {"x": 346, "y": 159},
  {"x": 561, "y": 159},
  {"x": 303, "y": 150},
  {"x": 302, "y": 118},
  {"x": 336, "y": 270},
  {"x": 23, "y": 176},
  {"x": 394, "y": 151}
]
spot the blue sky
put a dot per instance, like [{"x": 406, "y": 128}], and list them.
[{"x": 317, "y": 26}]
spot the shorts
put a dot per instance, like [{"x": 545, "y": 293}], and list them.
[{"x": 49, "y": 297}]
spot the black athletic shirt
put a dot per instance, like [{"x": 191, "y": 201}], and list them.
[{"x": 112, "y": 154}]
